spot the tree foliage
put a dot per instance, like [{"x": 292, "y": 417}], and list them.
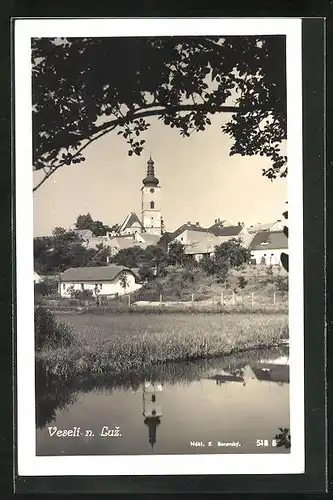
[
  {"x": 83, "y": 89},
  {"x": 63, "y": 250},
  {"x": 232, "y": 253},
  {"x": 85, "y": 221},
  {"x": 176, "y": 254},
  {"x": 228, "y": 255},
  {"x": 129, "y": 257}
]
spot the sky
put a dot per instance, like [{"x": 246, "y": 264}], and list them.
[{"x": 199, "y": 182}]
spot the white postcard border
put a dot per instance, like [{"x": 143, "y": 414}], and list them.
[{"x": 28, "y": 463}]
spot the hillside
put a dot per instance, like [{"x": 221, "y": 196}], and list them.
[{"x": 256, "y": 284}]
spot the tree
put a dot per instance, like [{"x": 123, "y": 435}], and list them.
[
  {"x": 79, "y": 93},
  {"x": 155, "y": 256},
  {"x": 208, "y": 265},
  {"x": 146, "y": 273},
  {"x": 123, "y": 281},
  {"x": 232, "y": 253},
  {"x": 97, "y": 227},
  {"x": 62, "y": 250},
  {"x": 129, "y": 257},
  {"x": 84, "y": 221},
  {"x": 176, "y": 253}
]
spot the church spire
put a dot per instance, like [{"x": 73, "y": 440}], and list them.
[{"x": 150, "y": 180}]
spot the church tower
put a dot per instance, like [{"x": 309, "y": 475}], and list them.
[
  {"x": 151, "y": 410},
  {"x": 150, "y": 202}
]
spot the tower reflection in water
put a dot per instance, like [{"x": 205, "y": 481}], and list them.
[{"x": 152, "y": 410}]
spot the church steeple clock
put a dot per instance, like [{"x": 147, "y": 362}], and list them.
[{"x": 150, "y": 202}]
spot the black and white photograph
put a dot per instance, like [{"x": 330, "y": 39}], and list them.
[{"x": 159, "y": 246}]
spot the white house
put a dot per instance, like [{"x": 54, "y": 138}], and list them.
[
  {"x": 102, "y": 280},
  {"x": 267, "y": 246}
]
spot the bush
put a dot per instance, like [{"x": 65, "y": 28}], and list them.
[
  {"x": 282, "y": 285},
  {"x": 242, "y": 282},
  {"x": 49, "y": 333}
]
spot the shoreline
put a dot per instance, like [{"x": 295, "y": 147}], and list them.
[
  {"x": 172, "y": 309},
  {"x": 112, "y": 351}
]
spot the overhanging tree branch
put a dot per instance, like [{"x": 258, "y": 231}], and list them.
[{"x": 110, "y": 125}]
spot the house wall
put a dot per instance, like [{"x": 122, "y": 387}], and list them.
[
  {"x": 189, "y": 236},
  {"x": 108, "y": 287},
  {"x": 135, "y": 228},
  {"x": 271, "y": 257}
]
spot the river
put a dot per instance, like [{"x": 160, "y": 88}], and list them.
[{"x": 236, "y": 404}]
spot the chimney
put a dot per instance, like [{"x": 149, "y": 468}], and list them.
[
  {"x": 188, "y": 222},
  {"x": 239, "y": 224},
  {"x": 197, "y": 224},
  {"x": 216, "y": 221}
]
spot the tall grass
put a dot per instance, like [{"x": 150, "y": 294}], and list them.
[{"x": 123, "y": 343}]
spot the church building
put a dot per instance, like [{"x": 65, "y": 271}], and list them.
[{"x": 151, "y": 218}]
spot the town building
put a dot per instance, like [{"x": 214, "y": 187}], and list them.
[
  {"x": 101, "y": 281},
  {"x": 151, "y": 221},
  {"x": 269, "y": 226},
  {"x": 266, "y": 247}
]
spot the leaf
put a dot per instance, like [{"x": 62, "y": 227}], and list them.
[
  {"x": 130, "y": 153},
  {"x": 285, "y": 261}
]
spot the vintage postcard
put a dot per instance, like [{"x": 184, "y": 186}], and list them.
[{"x": 159, "y": 246}]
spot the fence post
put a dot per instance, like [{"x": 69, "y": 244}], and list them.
[
  {"x": 129, "y": 299},
  {"x": 192, "y": 298},
  {"x": 233, "y": 298},
  {"x": 274, "y": 298},
  {"x": 252, "y": 299},
  {"x": 222, "y": 299},
  {"x": 161, "y": 298}
]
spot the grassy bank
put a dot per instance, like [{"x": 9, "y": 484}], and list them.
[{"x": 120, "y": 343}]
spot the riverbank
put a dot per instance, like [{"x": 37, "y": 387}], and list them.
[
  {"x": 118, "y": 343},
  {"x": 170, "y": 308}
]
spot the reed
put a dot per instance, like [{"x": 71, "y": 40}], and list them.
[{"x": 122, "y": 343}]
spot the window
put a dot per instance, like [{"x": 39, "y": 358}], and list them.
[
  {"x": 152, "y": 190},
  {"x": 100, "y": 286},
  {"x": 63, "y": 285},
  {"x": 152, "y": 204}
]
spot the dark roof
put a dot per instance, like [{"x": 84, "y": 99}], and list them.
[
  {"x": 219, "y": 230},
  {"x": 129, "y": 221},
  {"x": 150, "y": 180},
  {"x": 165, "y": 239},
  {"x": 100, "y": 273},
  {"x": 271, "y": 240},
  {"x": 190, "y": 227}
]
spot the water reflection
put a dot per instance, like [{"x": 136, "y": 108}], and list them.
[
  {"x": 152, "y": 410},
  {"x": 234, "y": 398}
]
